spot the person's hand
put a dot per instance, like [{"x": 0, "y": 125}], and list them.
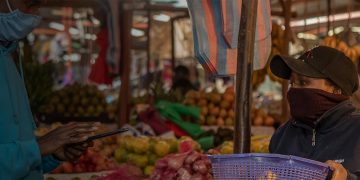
[
  {"x": 68, "y": 134},
  {"x": 339, "y": 172},
  {"x": 72, "y": 152}
]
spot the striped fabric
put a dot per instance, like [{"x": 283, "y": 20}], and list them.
[{"x": 216, "y": 26}]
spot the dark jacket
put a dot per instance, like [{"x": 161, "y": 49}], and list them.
[{"x": 335, "y": 137}]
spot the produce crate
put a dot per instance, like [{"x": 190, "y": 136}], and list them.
[{"x": 267, "y": 166}]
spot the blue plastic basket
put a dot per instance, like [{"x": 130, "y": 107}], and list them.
[{"x": 267, "y": 167}]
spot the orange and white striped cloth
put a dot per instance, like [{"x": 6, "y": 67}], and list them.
[{"x": 216, "y": 26}]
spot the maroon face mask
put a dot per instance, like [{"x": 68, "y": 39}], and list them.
[{"x": 307, "y": 105}]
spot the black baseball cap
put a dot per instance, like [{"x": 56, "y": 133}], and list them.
[{"x": 320, "y": 62}]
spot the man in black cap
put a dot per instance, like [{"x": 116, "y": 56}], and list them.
[{"x": 324, "y": 125}]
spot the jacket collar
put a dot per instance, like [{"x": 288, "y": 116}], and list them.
[{"x": 330, "y": 119}]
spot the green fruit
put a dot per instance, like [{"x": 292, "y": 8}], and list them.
[
  {"x": 148, "y": 170},
  {"x": 139, "y": 160},
  {"x": 152, "y": 158},
  {"x": 152, "y": 143},
  {"x": 120, "y": 155},
  {"x": 173, "y": 145}
]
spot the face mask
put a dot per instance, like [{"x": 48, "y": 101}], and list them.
[
  {"x": 16, "y": 24},
  {"x": 307, "y": 105}
]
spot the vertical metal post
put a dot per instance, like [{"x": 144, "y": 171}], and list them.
[
  {"x": 286, "y": 5},
  {"x": 244, "y": 70},
  {"x": 124, "y": 96}
]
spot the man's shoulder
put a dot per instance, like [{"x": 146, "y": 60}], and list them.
[
  {"x": 282, "y": 130},
  {"x": 354, "y": 117}
]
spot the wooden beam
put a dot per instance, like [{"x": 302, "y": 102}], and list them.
[
  {"x": 338, "y": 10},
  {"x": 172, "y": 24},
  {"x": 148, "y": 31},
  {"x": 245, "y": 55},
  {"x": 325, "y": 24},
  {"x": 281, "y": 14}
]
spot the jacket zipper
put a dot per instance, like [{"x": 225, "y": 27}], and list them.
[{"x": 313, "y": 138}]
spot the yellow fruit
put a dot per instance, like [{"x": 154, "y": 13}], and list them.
[
  {"x": 141, "y": 145},
  {"x": 229, "y": 121},
  {"x": 139, "y": 160},
  {"x": 162, "y": 148},
  {"x": 227, "y": 150},
  {"x": 270, "y": 175},
  {"x": 211, "y": 120}
]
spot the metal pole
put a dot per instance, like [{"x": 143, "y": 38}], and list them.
[
  {"x": 245, "y": 57},
  {"x": 124, "y": 96},
  {"x": 286, "y": 6},
  {"x": 172, "y": 22}
]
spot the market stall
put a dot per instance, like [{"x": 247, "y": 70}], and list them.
[{"x": 114, "y": 62}]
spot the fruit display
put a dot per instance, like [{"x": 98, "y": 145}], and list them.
[
  {"x": 261, "y": 118},
  {"x": 39, "y": 82},
  {"x": 259, "y": 144},
  {"x": 353, "y": 52},
  {"x": 90, "y": 161},
  {"x": 76, "y": 101},
  {"x": 216, "y": 108},
  {"x": 143, "y": 151},
  {"x": 183, "y": 166},
  {"x": 40, "y": 131}
]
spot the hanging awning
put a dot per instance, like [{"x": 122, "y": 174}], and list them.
[{"x": 215, "y": 29}]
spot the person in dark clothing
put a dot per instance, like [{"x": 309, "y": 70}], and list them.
[
  {"x": 324, "y": 125},
  {"x": 181, "y": 80}
]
